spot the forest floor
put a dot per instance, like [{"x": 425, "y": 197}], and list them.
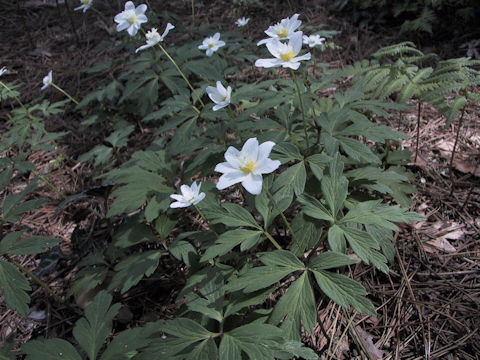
[{"x": 429, "y": 304}]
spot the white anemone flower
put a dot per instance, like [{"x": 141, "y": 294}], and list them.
[
  {"x": 247, "y": 166},
  {"x": 219, "y": 95},
  {"x": 191, "y": 195},
  {"x": 3, "y": 70},
  {"x": 212, "y": 44},
  {"x": 242, "y": 21},
  {"x": 85, "y": 5},
  {"x": 282, "y": 30},
  {"x": 285, "y": 54},
  {"x": 131, "y": 18},
  {"x": 153, "y": 37},
  {"x": 47, "y": 81},
  {"x": 313, "y": 40}
]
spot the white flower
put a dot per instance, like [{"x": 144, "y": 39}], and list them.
[
  {"x": 191, "y": 195},
  {"x": 47, "y": 81},
  {"x": 285, "y": 54},
  {"x": 282, "y": 30},
  {"x": 131, "y": 18},
  {"x": 242, "y": 21},
  {"x": 153, "y": 37},
  {"x": 247, "y": 166},
  {"x": 3, "y": 70},
  {"x": 212, "y": 44},
  {"x": 219, "y": 95},
  {"x": 85, "y": 5},
  {"x": 313, "y": 40}
]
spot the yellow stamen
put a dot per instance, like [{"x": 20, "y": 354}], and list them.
[
  {"x": 132, "y": 19},
  {"x": 282, "y": 32},
  {"x": 248, "y": 168},
  {"x": 212, "y": 44},
  {"x": 288, "y": 56}
]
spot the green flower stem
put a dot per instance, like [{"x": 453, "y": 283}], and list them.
[
  {"x": 181, "y": 73},
  {"x": 272, "y": 199},
  {"x": 49, "y": 184},
  {"x": 65, "y": 93},
  {"x": 301, "y": 106},
  {"x": 34, "y": 278},
  {"x": 205, "y": 219},
  {"x": 272, "y": 240}
]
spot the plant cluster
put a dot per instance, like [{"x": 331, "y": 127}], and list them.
[{"x": 289, "y": 187}]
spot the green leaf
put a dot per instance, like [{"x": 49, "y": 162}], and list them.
[
  {"x": 228, "y": 240},
  {"x": 13, "y": 286},
  {"x": 294, "y": 177},
  {"x": 344, "y": 291},
  {"x": 335, "y": 187},
  {"x": 238, "y": 301},
  {"x": 185, "y": 328},
  {"x": 357, "y": 150},
  {"x": 330, "y": 260},
  {"x": 286, "y": 152},
  {"x": 11, "y": 244},
  {"x": 206, "y": 350},
  {"x": 336, "y": 239},
  {"x": 314, "y": 208},
  {"x": 209, "y": 301},
  {"x": 125, "y": 345},
  {"x": 229, "y": 350},
  {"x": 299, "y": 308},
  {"x": 13, "y": 208},
  {"x": 133, "y": 233},
  {"x": 50, "y": 349},
  {"x": 282, "y": 258},
  {"x": 318, "y": 163},
  {"x": 234, "y": 215},
  {"x": 6, "y": 351},
  {"x": 130, "y": 271},
  {"x": 92, "y": 330},
  {"x": 308, "y": 233},
  {"x": 365, "y": 247},
  {"x": 297, "y": 349}
]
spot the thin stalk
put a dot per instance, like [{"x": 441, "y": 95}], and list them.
[
  {"x": 102, "y": 17},
  {"x": 418, "y": 129},
  {"x": 452, "y": 177},
  {"x": 34, "y": 278},
  {"x": 287, "y": 224},
  {"x": 205, "y": 219},
  {"x": 181, "y": 73},
  {"x": 65, "y": 93},
  {"x": 301, "y": 107},
  {"x": 193, "y": 13},
  {"x": 69, "y": 13},
  {"x": 470, "y": 191},
  {"x": 272, "y": 240}
]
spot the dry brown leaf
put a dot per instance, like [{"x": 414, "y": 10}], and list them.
[
  {"x": 440, "y": 243},
  {"x": 369, "y": 346},
  {"x": 461, "y": 163}
]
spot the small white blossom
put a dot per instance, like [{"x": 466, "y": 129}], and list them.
[
  {"x": 282, "y": 30},
  {"x": 47, "y": 80},
  {"x": 242, "y": 21},
  {"x": 212, "y": 44},
  {"x": 3, "y": 70},
  {"x": 153, "y": 37},
  {"x": 313, "y": 40},
  {"x": 131, "y": 18},
  {"x": 285, "y": 54},
  {"x": 85, "y": 5},
  {"x": 191, "y": 195},
  {"x": 219, "y": 95},
  {"x": 247, "y": 166}
]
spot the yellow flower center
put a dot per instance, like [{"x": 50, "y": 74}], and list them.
[
  {"x": 282, "y": 32},
  {"x": 248, "y": 168},
  {"x": 212, "y": 44},
  {"x": 132, "y": 18},
  {"x": 288, "y": 56},
  {"x": 86, "y": 2}
]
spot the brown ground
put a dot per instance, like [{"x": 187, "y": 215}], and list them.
[{"x": 429, "y": 305}]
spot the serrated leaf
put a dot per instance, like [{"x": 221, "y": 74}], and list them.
[
  {"x": 330, "y": 260},
  {"x": 133, "y": 233},
  {"x": 92, "y": 330},
  {"x": 308, "y": 234},
  {"x": 130, "y": 271},
  {"x": 298, "y": 308},
  {"x": 185, "y": 328},
  {"x": 344, "y": 291},
  {"x": 314, "y": 208},
  {"x": 234, "y": 215},
  {"x": 228, "y": 240},
  {"x": 336, "y": 239},
  {"x": 13, "y": 286},
  {"x": 318, "y": 163},
  {"x": 294, "y": 177},
  {"x": 50, "y": 349},
  {"x": 11, "y": 244},
  {"x": 125, "y": 346}
]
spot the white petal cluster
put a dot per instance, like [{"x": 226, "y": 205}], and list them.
[
  {"x": 242, "y": 21},
  {"x": 219, "y": 95},
  {"x": 247, "y": 166},
  {"x": 285, "y": 54},
  {"x": 313, "y": 40},
  {"x": 131, "y": 18},
  {"x": 3, "y": 70},
  {"x": 191, "y": 195},
  {"x": 153, "y": 37},
  {"x": 47, "y": 80},
  {"x": 85, "y": 5},
  {"x": 212, "y": 44},
  {"x": 283, "y": 30}
]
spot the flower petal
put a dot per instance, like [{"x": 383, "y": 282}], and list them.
[
  {"x": 250, "y": 148},
  {"x": 141, "y": 9},
  {"x": 179, "y": 204},
  {"x": 230, "y": 179},
  {"x": 264, "y": 150},
  {"x": 273, "y": 46},
  {"x": 199, "y": 198},
  {"x": 268, "y": 63},
  {"x": 267, "y": 166},
  {"x": 232, "y": 155},
  {"x": 129, "y": 5},
  {"x": 225, "y": 167},
  {"x": 253, "y": 184},
  {"x": 296, "y": 42}
]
